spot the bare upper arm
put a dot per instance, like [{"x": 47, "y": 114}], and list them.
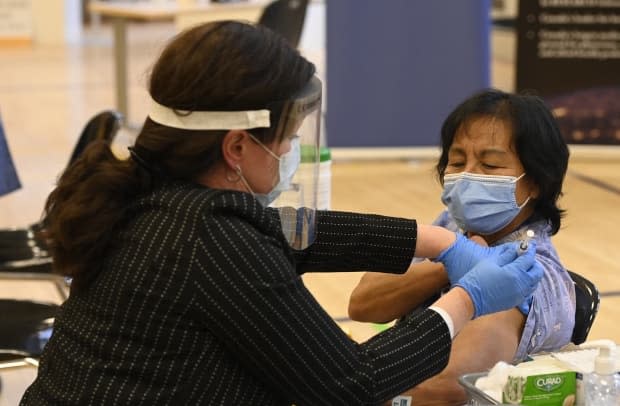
[
  {"x": 485, "y": 341},
  {"x": 381, "y": 297},
  {"x": 478, "y": 347}
]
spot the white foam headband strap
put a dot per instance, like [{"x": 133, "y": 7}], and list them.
[{"x": 209, "y": 120}]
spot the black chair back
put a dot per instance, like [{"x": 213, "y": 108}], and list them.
[
  {"x": 101, "y": 127},
  {"x": 286, "y": 17},
  {"x": 26, "y": 325},
  {"x": 587, "y": 304}
]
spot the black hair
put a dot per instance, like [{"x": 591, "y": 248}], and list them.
[{"x": 537, "y": 138}]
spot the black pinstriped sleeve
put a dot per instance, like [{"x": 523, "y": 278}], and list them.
[
  {"x": 359, "y": 242},
  {"x": 255, "y": 302}
]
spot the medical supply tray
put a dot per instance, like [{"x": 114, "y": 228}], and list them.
[{"x": 475, "y": 396}]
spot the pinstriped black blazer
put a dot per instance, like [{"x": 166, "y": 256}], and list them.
[{"x": 201, "y": 302}]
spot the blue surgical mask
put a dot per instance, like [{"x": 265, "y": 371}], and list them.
[
  {"x": 482, "y": 204},
  {"x": 287, "y": 166}
]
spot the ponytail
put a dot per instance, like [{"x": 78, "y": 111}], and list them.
[{"x": 87, "y": 207}]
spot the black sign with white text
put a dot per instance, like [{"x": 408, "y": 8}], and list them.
[{"x": 568, "y": 52}]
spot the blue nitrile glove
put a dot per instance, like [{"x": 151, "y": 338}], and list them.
[
  {"x": 524, "y": 307},
  {"x": 502, "y": 282},
  {"x": 461, "y": 257}
]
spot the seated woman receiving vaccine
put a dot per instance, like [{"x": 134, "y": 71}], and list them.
[{"x": 502, "y": 166}]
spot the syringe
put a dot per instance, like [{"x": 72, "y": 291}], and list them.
[{"x": 525, "y": 242}]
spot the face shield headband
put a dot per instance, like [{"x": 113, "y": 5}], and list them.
[{"x": 298, "y": 117}]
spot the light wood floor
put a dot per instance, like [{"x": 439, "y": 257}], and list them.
[{"x": 48, "y": 93}]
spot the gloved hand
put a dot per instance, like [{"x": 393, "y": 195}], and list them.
[
  {"x": 502, "y": 282},
  {"x": 524, "y": 307},
  {"x": 464, "y": 254}
]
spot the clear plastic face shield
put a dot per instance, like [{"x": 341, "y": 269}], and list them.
[
  {"x": 300, "y": 121},
  {"x": 297, "y": 121}
]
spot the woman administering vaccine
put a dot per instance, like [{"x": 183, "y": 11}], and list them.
[{"x": 186, "y": 270}]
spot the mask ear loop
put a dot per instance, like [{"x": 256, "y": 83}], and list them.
[
  {"x": 263, "y": 146},
  {"x": 522, "y": 205},
  {"x": 519, "y": 177},
  {"x": 243, "y": 180}
]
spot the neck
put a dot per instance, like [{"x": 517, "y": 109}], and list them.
[{"x": 221, "y": 177}]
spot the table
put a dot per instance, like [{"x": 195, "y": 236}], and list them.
[{"x": 183, "y": 12}]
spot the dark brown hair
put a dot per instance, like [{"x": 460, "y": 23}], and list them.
[{"x": 219, "y": 66}]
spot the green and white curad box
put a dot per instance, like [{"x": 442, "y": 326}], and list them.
[{"x": 548, "y": 389}]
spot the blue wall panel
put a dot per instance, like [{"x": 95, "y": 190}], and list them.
[{"x": 395, "y": 68}]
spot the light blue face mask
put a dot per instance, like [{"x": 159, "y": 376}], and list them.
[
  {"x": 288, "y": 163},
  {"x": 482, "y": 204}
]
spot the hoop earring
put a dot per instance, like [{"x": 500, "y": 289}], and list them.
[
  {"x": 229, "y": 177},
  {"x": 242, "y": 179}
]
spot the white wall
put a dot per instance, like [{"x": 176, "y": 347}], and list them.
[{"x": 56, "y": 22}]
